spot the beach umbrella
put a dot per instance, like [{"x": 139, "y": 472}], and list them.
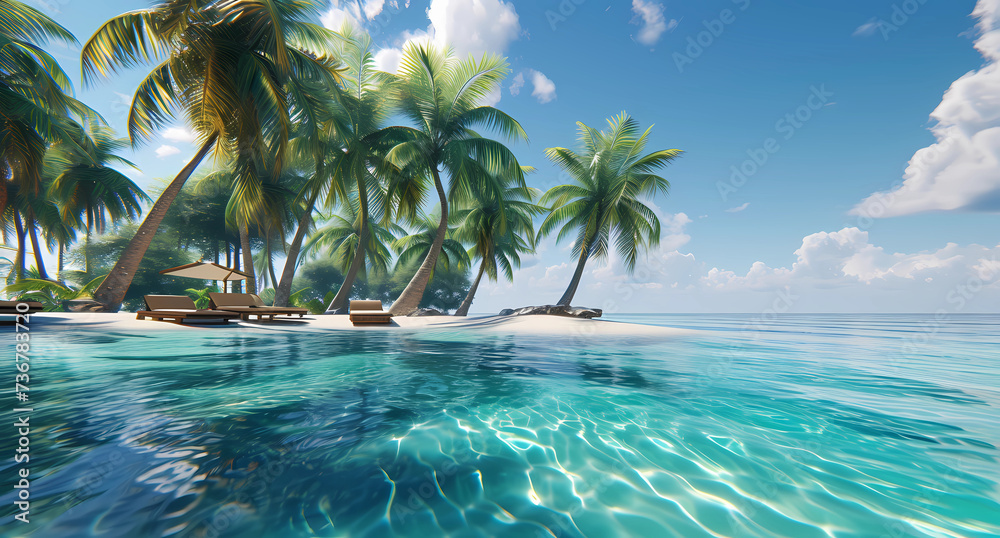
[{"x": 207, "y": 271}]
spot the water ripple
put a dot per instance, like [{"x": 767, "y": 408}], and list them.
[{"x": 810, "y": 427}]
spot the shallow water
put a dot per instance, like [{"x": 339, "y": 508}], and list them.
[{"x": 845, "y": 426}]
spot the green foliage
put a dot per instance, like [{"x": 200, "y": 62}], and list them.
[
  {"x": 51, "y": 294},
  {"x": 315, "y": 306},
  {"x": 443, "y": 96},
  {"x": 36, "y": 107},
  {"x": 444, "y": 292},
  {"x": 413, "y": 248},
  {"x": 318, "y": 277},
  {"x": 163, "y": 253},
  {"x": 606, "y": 200},
  {"x": 197, "y": 220},
  {"x": 300, "y": 299},
  {"x": 200, "y": 296},
  {"x": 90, "y": 192}
]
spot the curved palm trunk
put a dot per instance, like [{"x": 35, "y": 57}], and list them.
[
  {"x": 339, "y": 303},
  {"x": 247, "y": 259},
  {"x": 86, "y": 246},
  {"x": 111, "y": 292},
  {"x": 409, "y": 300},
  {"x": 236, "y": 285},
  {"x": 283, "y": 291},
  {"x": 270, "y": 264},
  {"x": 61, "y": 262},
  {"x": 463, "y": 309},
  {"x": 19, "y": 259},
  {"x": 39, "y": 263},
  {"x": 567, "y": 297}
]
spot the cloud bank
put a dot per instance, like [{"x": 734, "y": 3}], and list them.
[
  {"x": 840, "y": 271},
  {"x": 959, "y": 171}
]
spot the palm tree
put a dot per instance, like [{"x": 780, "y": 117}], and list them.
[
  {"x": 342, "y": 238},
  {"x": 40, "y": 215},
  {"x": 90, "y": 192},
  {"x": 29, "y": 215},
  {"x": 266, "y": 211},
  {"x": 611, "y": 179},
  {"x": 58, "y": 234},
  {"x": 304, "y": 147},
  {"x": 356, "y": 168},
  {"x": 500, "y": 227},
  {"x": 442, "y": 96},
  {"x": 284, "y": 201},
  {"x": 34, "y": 101},
  {"x": 238, "y": 69},
  {"x": 416, "y": 246}
]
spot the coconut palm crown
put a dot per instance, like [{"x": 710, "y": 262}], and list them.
[
  {"x": 443, "y": 97},
  {"x": 605, "y": 203},
  {"x": 241, "y": 71}
]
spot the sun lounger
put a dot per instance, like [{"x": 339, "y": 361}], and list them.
[
  {"x": 249, "y": 304},
  {"x": 178, "y": 309},
  {"x": 369, "y": 313},
  {"x": 9, "y": 308}
]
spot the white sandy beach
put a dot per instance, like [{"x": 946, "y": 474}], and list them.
[{"x": 527, "y": 325}]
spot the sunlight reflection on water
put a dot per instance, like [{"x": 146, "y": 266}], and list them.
[{"x": 806, "y": 426}]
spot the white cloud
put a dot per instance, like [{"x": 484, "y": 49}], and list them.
[
  {"x": 988, "y": 12},
  {"x": 653, "y": 21},
  {"x": 673, "y": 227},
  {"x": 357, "y": 12},
  {"x": 838, "y": 271},
  {"x": 372, "y": 8},
  {"x": 493, "y": 98},
  {"x": 516, "y": 84},
  {"x": 847, "y": 261},
  {"x": 388, "y": 60},
  {"x": 544, "y": 89},
  {"x": 959, "y": 171},
  {"x": 737, "y": 209},
  {"x": 166, "y": 151},
  {"x": 179, "y": 134},
  {"x": 868, "y": 28},
  {"x": 468, "y": 26},
  {"x": 473, "y": 26},
  {"x": 350, "y": 12}
]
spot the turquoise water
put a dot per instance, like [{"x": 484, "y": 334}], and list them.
[{"x": 805, "y": 426}]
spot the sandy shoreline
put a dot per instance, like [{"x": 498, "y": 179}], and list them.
[{"x": 526, "y": 325}]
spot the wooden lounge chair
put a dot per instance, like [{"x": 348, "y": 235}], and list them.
[
  {"x": 369, "y": 313},
  {"x": 9, "y": 308},
  {"x": 249, "y": 304},
  {"x": 178, "y": 309}
]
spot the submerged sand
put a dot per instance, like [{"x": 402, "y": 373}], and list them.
[{"x": 527, "y": 325}]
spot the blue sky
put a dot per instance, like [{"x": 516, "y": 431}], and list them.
[{"x": 717, "y": 78}]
